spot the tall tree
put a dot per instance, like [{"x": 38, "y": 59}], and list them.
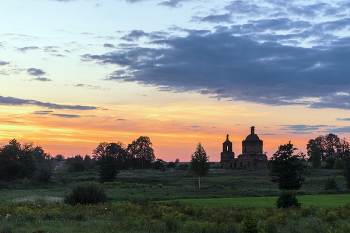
[
  {"x": 108, "y": 169},
  {"x": 316, "y": 157},
  {"x": 141, "y": 149},
  {"x": 10, "y": 166},
  {"x": 17, "y": 161},
  {"x": 319, "y": 143},
  {"x": 118, "y": 151},
  {"x": 343, "y": 146},
  {"x": 346, "y": 168},
  {"x": 286, "y": 168},
  {"x": 100, "y": 151},
  {"x": 332, "y": 142},
  {"x": 199, "y": 165}
]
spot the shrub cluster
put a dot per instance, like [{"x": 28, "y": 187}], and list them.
[
  {"x": 287, "y": 199},
  {"x": 87, "y": 193},
  {"x": 330, "y": 183}
]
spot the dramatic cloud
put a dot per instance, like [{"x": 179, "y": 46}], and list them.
[
  {"x": 2, "y": 63},
  {"x": 239, "y": 68},
  {"x": 134, "y": 35},
  {"x": 225, "y": 18},
  {"x": 41, "y": 79},
  {"x": 25, "y": 49},
  {"x": 303, "y": 129},
  {"x": 16, "y": 101},
  {"x": 35, "y": 72},
  {"x": 340, "y": 130},
  {"x": 66, "y": 115},
  {"x": 343, "y": 119}
]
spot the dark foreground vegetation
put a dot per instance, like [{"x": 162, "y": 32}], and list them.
[
  {"x": 170, "y": 217},
  {"x": 126, "y": 189}
]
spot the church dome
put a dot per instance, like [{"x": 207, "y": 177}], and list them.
[{"x": 252, "y": 137}]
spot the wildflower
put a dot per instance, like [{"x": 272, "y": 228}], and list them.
[{"x": 7, "y": 216}]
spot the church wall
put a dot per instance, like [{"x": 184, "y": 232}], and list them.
[{"x": 252, "y": 147}]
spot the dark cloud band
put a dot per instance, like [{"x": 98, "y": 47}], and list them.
[{"x": 17, "y": 102}]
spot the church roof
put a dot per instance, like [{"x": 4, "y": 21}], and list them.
[{"x": 252, "y": 137}]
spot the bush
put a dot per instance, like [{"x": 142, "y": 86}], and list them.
[
  {"x": 171, "y": 165},
  {"x": 339, "y": 164},
  {"x": 330, "y": 163},
  {"x": 3, "y": 185},
  {"x": 330, "y": 183},
  {"x": 250, "y": 223},
  {"x": 84, "y": 194},
  {"x": 44, "y": 175},
  {"x": 287, "y": 199},
  {"x": 182, "y": 166}
]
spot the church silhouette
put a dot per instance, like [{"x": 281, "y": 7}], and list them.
[{"x": 252, "y": 156}]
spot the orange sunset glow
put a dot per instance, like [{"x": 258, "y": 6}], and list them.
[{"x": 69, "y": 83}]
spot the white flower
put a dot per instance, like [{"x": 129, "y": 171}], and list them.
[{"x": 7, "y": 216}]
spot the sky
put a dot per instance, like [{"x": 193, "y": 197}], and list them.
[{"x": 75, "y": 73}]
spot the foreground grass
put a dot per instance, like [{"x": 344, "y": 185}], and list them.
[
  {"x": 321, "y": 201},
  {"x": 170, "y": 217}
]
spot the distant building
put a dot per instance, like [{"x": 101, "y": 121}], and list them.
[{"x": 252, "y": 156}]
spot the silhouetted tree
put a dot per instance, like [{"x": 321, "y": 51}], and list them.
[
  {"x": 59, "y": 157},
  {"x": 199, "y": 165},
  {"x": 286, "y": 168},
  {"x": 332, "y": 142},
  {"x": 108, "y": 169},
  {"x": 343, "y": 147},
  {"x": 346, "y": 168},
  {"x": 87, "y": 162},
  {"x": 76, "y": 164},
  {"x": 100, "y": 151},
  {"x": 330, "y": 146},
  {"x": 318, "y": 143},
  {"x": 158, "y": 164},
  {"x": 17, "y": 162},
  {"x": 117, "y": 150},
  {"x": 316, "y": 157},
  {"x": 141, "y": 149}
]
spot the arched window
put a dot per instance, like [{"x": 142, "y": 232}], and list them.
[
  {"x": 248, "y": 164},
  {"x": 241, "y": 164},
  {"x": 230, "y": 164}
]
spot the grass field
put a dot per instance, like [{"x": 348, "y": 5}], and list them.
[
  {"x": 153, "y": 185},
  {"x": 322, "y": 201},
  {"x": 155, "y": 201}
]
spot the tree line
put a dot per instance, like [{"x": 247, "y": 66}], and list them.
[
  {"x": 24, "y": 161},
  {"x": 328, "y": 146}
]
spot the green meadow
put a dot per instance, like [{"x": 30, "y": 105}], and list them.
[
  {"x": 322, "y": 200},
  {"x": 155, "y": 201}
]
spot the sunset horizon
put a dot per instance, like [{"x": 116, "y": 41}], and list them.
[{"x": 76, "y": 73}]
